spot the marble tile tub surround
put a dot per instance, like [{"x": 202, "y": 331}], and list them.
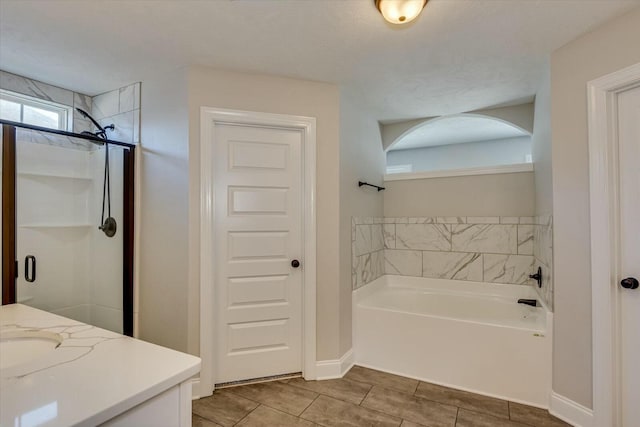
[
  {"x": 484, "y": 249},
  {"x": 367, "y": 250},
  {"x": 496, "y": 249},
  {"x": 543, "y": 254},
  {"x": 47, "y": 92},
  {"x": 120, "y": 107}
]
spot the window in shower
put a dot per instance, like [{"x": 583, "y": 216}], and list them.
[{"x": 32, "y": 111}]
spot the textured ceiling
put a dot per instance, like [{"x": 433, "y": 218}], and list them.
[
  {"x": 459, "y": 55},
  {"x": 457, "y": 130}
]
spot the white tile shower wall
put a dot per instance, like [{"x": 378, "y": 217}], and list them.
[
  {"x": 120, "y": 107},
  {"x": 543, "y": 254},
  {"x": 36, "y": 89},
  {"x": 105, "y": 253},
  {"x": 47, "y": 92},
  {"x": 52, "y": 220}
]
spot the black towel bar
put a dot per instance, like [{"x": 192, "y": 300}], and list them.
[{"x": 361, "y": 183}]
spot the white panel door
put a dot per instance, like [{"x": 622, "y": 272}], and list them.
[
  {"x": 629, "y": 299},
  {"x": 258, "y": 229}
]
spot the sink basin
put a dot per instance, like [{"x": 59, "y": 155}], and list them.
[{"x": 18, "y": 347}]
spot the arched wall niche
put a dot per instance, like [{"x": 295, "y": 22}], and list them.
[{"x": 519, "y": 117}]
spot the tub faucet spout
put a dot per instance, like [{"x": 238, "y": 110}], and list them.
[{"x": 531, "y": 302}]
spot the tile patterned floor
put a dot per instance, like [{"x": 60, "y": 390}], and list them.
[{"x": 364, "y": 397}]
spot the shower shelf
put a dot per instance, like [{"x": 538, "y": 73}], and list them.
[
  {"x": 55, "y": 175},
  {"x": 52, "y": 225}
]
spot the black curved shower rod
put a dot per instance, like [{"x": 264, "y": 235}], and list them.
[{"x": 102, "y": 131}]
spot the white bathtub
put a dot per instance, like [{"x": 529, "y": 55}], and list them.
[{"x": 467, "y": 335}]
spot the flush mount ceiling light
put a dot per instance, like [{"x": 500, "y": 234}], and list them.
[{"x": 400, "y": 11}]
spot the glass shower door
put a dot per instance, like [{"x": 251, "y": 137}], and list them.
[{"x": 66, "y": 264}]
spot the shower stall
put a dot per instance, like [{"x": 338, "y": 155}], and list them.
[{"x": 67, "y": 224}]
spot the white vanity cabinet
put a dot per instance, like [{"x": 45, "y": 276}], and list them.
[
  {"x": 89, "y": 376},
  {"x": 170, "y": 408}
]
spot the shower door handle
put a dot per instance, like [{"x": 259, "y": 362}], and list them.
[{"x": 30, "y": 276}]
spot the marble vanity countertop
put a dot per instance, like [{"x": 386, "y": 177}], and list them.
[{"x": 91, "y": 377}]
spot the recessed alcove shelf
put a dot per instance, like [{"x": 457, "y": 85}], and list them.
[
  {"x": 490, "y": 170},
  {"x": 54, "y": 175},
  {"x": 53, "y": 225}
]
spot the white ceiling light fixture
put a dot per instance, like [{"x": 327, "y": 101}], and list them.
[{"x": 400, "y": 11}]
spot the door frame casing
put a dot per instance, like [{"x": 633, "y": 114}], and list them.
[
  {"x": 209, "y": 118},
  {"x": 603, "y": 192}
]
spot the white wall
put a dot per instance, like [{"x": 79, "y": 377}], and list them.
[
  {"x": 170, "y": 240},
  {"x": 541, "y": 152},
  {"x": 164, "y": 211},
  {"x": 505, "y": 151},
  {"x": 541, "y": 147},
  {"x": 608, "y": 48},
  {"x": 510, "y": 194},
  {"x": 361, "y": 159}
]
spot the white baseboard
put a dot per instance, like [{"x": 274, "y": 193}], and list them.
[
  {"x": 336, "y": 368},
  {"x": 569, "y": 411},
  {"x": 325, "y": 370},
  {"x": 196, "y": 393}
]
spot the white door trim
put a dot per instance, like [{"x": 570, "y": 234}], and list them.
[
  {"x": 603, "y": 168},
  {"x": 209, "y": 116}
]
